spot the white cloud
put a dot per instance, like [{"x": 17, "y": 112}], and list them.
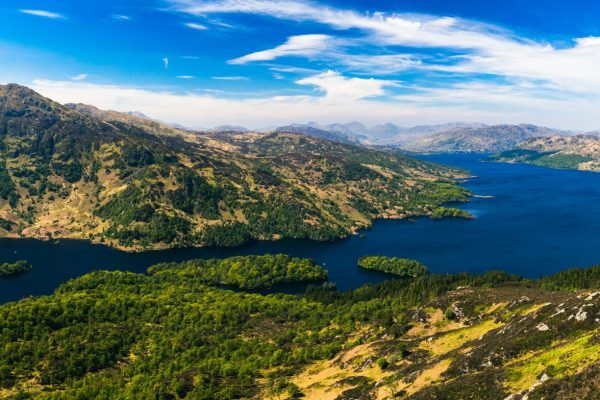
[
  {"x": 198, "y": 27},
  {"x": 43, "y": 13},
  {"x": 166, "y": 62},
  {"x": 121, "y": 17},
  {"x": 185, "y": 77},
  {"x": 461, "y": 103},
  {"x": 338, "y": 87},
  {"x": 219, "y": 23},
  {"x": 80, "y": 77},
  {"x": 230, "y": 78},
  {"x": 416, "y": 30},
  {"x": 481, "y": 48},
  {"x": 302, "y": 45}
]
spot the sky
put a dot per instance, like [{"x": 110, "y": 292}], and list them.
[{"x": 260, "y": 63}]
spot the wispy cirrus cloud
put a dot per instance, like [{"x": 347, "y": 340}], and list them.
[
  {"x": 196, "y": 26},
  {"x": 467, "y": 46},
  {"x": 302, "y": 45},
  {"x": 121, "y": 17},
  {"x": 231, "y": 78},
  {"x": 43, "y": 13},
  {"x": 80, "y": 77}
]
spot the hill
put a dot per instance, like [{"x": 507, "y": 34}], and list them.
[
  {"x": 172, "y": 334},
  {"x": 79, "y": 172},
  {"x": 332, "y": 135},
  {"x": 459, "y": 137},
  {"x": 488, "y": 139},
  {"x": 580, "y": 152}
]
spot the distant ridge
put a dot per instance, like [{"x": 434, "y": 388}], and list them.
[{"x": 461, "y": 137}]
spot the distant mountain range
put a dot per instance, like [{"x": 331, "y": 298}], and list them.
[
  {"x": 486, "y": 139},
  {"x": 442, "y": 138}
]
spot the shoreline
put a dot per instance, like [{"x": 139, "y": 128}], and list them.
[{"x": 354, "y": 231}]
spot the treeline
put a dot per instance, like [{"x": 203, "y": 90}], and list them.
[
  {"x": 246, "y": 272},
  {"x": 16, "y": 268},
  {"x": 573, "y": 279},
  {"x": 402, "y": 267}
]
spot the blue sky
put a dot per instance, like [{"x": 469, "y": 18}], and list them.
[{"x": 264, "y": 62}]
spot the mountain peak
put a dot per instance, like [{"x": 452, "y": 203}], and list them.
[{"x": 15, "y": 92}]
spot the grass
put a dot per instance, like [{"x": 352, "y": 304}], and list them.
[
  {"x": 457, "y": 338},
  {"x": 564, "y": 359},
  {"x": 429, "y": 376}
]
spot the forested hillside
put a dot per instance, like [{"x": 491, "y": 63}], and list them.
[
  {"x": 173, "y": 334},
  {"x": 80, "y": 172}
]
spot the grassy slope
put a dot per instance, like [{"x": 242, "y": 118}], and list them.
[
  {"x": 79, "y": 172},
  {"x": 113, "y": 335}
]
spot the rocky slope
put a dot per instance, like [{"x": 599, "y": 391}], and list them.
[
  {"x": 319, "y": 133},
  {"x": 79, "y": 172},
  {"x": 580, "y": 152},
  {"x": 489, "y": 139},
  {"x": 474, "y": 343}
]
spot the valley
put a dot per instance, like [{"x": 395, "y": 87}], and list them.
[{"x": 299, "y": 199}]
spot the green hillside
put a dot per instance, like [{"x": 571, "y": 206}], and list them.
[
  {"x": 173, "y": 334},
  {"x": 79, "y": 172}
]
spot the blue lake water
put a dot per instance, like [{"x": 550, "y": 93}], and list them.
[{"x": 540, "y": 221}]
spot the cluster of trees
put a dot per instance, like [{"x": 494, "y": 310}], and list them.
[
  {"x": 342, "y": 170},
  {"x": 72, "y": 171},
  {"x": 444, "y": 192},
  {"x": 196, "y": 195},
  {"x": 160, "y": 228},
  {"x": 561, "y": 160},
  {"x": 572, "y": 279},
  {"x": 16, "y": 268},
  {"x": 246, "y": 272},
  {"x": 137, "y": 156},
  {"x": 402, "y": 267},
  {"x": 8, "y": 190},
  {"x": 288, "y": 217},
  {"x": 550, "y": 159},
  {"x": 450, "y": 212},
  {"x": 6, "y": 224}
]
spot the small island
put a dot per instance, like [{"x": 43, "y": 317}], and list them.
[
  {"x": 14, "y": 269},
  {"x": 246, "y": 272},
  {"x": 403, "y": 267}
]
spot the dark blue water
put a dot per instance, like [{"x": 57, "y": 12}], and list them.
[{"x": 539, "y": 221}]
